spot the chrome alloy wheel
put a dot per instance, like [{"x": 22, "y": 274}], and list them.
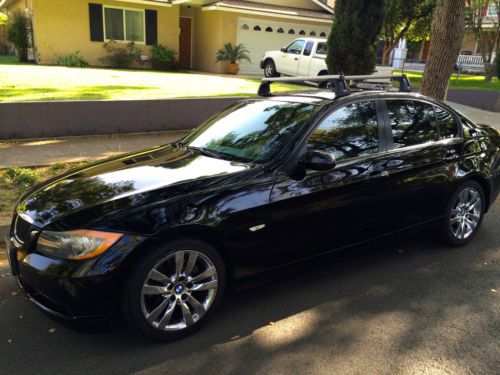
[
  {"x": 466, "y": 213},
  {"x": 179, "y": 290}
]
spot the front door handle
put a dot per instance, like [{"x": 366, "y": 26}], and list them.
[
  {"x": 378, "y": 175},
  {"x": 296, "y": 59}
]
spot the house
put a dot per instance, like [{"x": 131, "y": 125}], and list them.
[{"x": 194, "y": 28}]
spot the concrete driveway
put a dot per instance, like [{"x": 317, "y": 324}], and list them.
[{"x": 407, "y": 306}]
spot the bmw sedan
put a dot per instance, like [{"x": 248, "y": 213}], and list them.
[{"x": 158, "y": 235}]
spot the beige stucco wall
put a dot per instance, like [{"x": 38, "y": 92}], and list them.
[
  {"x": 212, "y": 29},
  {"x": 62, "y": 27}
]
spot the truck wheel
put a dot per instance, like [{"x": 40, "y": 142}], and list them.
[{"x": 270, "y": 69}]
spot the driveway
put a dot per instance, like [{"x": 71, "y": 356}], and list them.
[{"x": 406, "y": 306}]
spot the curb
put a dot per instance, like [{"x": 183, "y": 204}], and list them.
[{"x": 4, "y": 230}]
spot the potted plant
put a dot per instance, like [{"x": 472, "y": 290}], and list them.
[{"x": 233, "y": 55}]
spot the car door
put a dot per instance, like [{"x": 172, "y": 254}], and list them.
[
  {"x": 317, "y": 212},
  {"x": 423, "y": 144},
  {"x": 305, "y": 59},
  {"x": 289, "y": 60}
]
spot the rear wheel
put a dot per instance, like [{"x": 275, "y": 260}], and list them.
[
  {"x": 174, "y": 290},
  {"x": 270, "y": 69},
  {"x": 464, "y": 214}
]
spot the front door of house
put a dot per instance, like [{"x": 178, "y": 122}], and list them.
[{"x": 185, "y": 42}]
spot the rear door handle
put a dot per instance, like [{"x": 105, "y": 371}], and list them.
[{"x": 451, "y": 155}]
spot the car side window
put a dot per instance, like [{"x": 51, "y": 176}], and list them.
[
  {"x": 348, "y": 132},
  {"x": 308, "y": 49},
  {"x": 448, "y": 125},
  {"x": 296, "y": 47},
  {"x": 412, "y": 122},
  {"x": 321, "y": 50}
]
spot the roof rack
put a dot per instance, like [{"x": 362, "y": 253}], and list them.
[{"x": 338, "y": 83}]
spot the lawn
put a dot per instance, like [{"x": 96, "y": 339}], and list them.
[
  {"x": 14, "y": 182},
  {"x": 465, "y": 82},
  {"x": 23, "y": 82}
]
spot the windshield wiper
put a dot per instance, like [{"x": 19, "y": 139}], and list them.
[{"x": 207, "y": 152}]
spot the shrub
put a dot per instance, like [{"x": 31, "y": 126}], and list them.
[
  {"x": 121, "y": 56},
  {"x": 18, "y": 33},
  {"x": 24, "y": 177},
  {"x": 163, "y": 58},
  {"x": 71, "y": 59}
]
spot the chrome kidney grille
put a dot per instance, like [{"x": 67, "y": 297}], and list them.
[{"x": 22, "y": 229}]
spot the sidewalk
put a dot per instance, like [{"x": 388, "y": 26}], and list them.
[{"x": 73, "y": 149}]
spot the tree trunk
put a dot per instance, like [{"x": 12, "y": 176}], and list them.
[
  {"x": 388, "y": 47},
  {"x": 448, "y": 28}
]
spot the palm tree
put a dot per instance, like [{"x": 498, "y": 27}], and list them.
[{"x": 228, "y": 53}]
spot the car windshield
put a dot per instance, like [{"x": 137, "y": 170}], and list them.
[{"x": 251, "y": 131}]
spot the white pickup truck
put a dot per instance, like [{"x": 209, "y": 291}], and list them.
[{"x": 302, "y": 57}]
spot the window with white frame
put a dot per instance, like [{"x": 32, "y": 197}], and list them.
[
  {"x": 492, "y": 9},
  {"x": 124, "y": 24}
]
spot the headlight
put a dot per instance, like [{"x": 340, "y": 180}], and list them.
[{"x": 76, "y": 244}]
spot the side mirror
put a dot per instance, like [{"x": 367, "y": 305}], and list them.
[
  {"x": 318, "y": 161},
  {"x": 283, "y": 49}
]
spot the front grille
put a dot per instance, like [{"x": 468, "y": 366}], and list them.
[{"x": 22, "y": 229}]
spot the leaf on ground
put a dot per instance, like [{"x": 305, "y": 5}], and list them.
[
  {"x": 271, "y": 323},
  {"x": 493, "y": 290},
  {"x": 9, "y": 341},
  {"x": 14, "y": 293},
  {"x": 52, "y": 330}
]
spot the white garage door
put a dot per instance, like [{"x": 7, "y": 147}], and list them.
[{"x": 260, "y": 36}]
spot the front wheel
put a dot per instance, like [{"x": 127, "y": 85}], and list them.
[
  {"x": 270, "y": 69},
  {"x": 174, "y": 290},
  {"x": 464, "y": 214}
]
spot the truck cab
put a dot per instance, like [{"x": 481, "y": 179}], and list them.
[{"x": 302, "y": 57}]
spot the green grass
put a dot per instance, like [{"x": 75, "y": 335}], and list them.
[
  {"x": 21, "y": 82},
  {"x": 464, "y": 82},
  {"x": 14, "y": 182},
  {"x": 9, "y": 60}
]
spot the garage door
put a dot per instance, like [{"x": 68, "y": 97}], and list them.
[{"x": 260, "y": 36}]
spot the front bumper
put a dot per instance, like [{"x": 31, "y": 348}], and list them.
[{"x": 71, "y": 290}]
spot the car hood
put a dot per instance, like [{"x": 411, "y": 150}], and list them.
[{"x": 131, "y": 175}]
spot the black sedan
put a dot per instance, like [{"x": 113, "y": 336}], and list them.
[{"x": 159, "y": 234}]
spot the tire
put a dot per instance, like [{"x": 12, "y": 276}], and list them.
[
  {"x": 177, "y": 303},
  {"x": 463, "y": 214},
  {"x": 324, "y": 85},
  {"x": 270, "y": 69}
]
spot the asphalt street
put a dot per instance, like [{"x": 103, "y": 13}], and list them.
[{"x": 404, "y": 306}]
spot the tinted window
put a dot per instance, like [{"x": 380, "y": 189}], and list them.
[
  {"x": 412, "y": 122},
  {"x": 296, "y": 47},
  {"x": 348, "y": 132},
  {"x": 321, "y": 50},
  {"x": 309, "y": 48},
  {"x": 448, "y": 126},
  {"x": 252, "y": 131}
]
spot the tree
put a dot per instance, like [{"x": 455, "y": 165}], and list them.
[
  {"x": 448, "y": 28},
  {"x": 486, "y": 30},
  {"x": 18, "y": 33},
  {"x": 404, "y": 17},
  {"x": 355, "y": 30}
]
